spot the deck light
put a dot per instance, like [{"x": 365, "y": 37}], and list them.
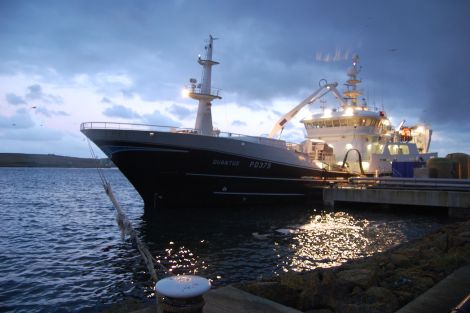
[
  {"x": 326, "y": 113},
  {"x": 348, "y": 112}
]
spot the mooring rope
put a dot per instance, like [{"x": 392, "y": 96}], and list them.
[{"x": 125, "y": 225}]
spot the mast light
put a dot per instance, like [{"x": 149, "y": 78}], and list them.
[{"x": 185, "y": 92}]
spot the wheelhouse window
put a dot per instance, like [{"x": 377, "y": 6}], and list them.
[
  {"x": 343, "y": 122},
  {"x": 398, "y": 149},
  {"x": 377, "y": 148}
]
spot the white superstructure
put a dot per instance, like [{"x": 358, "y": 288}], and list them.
[{"x": 358, "y": 136}]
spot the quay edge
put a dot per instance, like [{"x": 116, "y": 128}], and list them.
[{"x": 450, "y": 195}]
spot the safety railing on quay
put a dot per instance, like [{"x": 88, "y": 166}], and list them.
[{"x": 411, "y": 183}]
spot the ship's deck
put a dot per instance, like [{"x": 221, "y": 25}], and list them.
[{"x": 190, "y": 131}]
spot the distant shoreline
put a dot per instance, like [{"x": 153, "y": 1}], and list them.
[{"x": 51, "y": 160}]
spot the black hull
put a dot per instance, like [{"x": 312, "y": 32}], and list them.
[{"x": 168, "y": 176}]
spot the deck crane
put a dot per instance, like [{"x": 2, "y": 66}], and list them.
[{"x": 325, "y": 88}]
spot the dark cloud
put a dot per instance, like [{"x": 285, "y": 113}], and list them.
[
  {"x": 414, "y": 53},
  {"x": 447, "y": 105},
  {"x": 20, "y": 120},
  {"x": 276, "y": 60},
  {"x": 118, "y": 110},
  {"x": 180, "y": 111},
  {"x": 35, "y": 93},
  {"x": 105, "y": 100},
  {"x": 14, "y": 99}
]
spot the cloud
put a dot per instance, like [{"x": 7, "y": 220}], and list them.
[
  {"x": 130, "y": 53},
  {"x": 293, "y": 135},
  {"x": 156, "y": 118},
  {"x": 327, "y": 57},
  {"x": 446, "y": 104},
  {"x": 277, "y": 113},
  {"x": 14, "y": 99},
  {"x": 35, "y": 93},
  {"x": 238, "y": 123},
  {"x": 127, "y": 93},
  {"x": 50, "y": 113},
  {"x": 180, "y": 111},
  {"x": 21, "y": 119},
  {"x": 32, "y": 134},
  {"x": 121, "y": 111}
]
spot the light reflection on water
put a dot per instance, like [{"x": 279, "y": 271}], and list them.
[
  {"x": 329, "y": 239},
  {"x": 248, "y": 246}
]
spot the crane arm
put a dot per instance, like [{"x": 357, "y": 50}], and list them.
[{"x": 323, "y": 90}]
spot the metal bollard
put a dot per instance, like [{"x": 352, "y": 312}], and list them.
[{"x": 181, "y": 294}]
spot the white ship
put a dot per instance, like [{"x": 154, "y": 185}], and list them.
[{"x": 354, "y": 136}]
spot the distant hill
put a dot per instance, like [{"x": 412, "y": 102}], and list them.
[{"x": 50, "y": 160}]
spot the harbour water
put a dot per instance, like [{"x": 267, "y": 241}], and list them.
[{"x": 61, "y": 250}]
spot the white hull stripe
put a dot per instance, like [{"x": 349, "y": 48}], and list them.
[
  {"x": 252, "y": 177},
  {"x": 114, "y": 149},
  {"x": 258, "y": 194}
]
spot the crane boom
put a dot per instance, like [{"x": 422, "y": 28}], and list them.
[{"x": 323, "y": 90}]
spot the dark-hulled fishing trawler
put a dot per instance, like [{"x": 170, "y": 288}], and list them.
[{"x": 172, "y": 167}]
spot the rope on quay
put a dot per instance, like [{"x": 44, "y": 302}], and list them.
[{"x": 125, "y": 225}]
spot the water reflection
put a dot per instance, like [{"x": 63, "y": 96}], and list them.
[
  {"x": 218, "y": 244},
  {"x": 248, "y": 244},
  {"x": 329, "y": 239}
]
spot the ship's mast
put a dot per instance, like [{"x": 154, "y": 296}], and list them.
[
  {"x": 353, "y": 93},
  {"x": 204, "y": 93}
]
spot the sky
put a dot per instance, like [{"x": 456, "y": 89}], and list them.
[{"x": 67, "y": 62}]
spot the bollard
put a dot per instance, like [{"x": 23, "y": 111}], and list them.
[{"x": 181, "y": 294}]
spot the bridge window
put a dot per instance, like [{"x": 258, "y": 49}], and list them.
[
  {"x": 398, "y": 149},
  {"x": 377, "y": 148}
]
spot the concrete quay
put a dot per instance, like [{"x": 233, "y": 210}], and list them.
[
  {"x": 440, "y": 299},
  {"x": 408, "y": 278},
  {"x": 453, "y": 195},
  {"x": 233, "y": 300},
  {"x": 444, "y": 296}
]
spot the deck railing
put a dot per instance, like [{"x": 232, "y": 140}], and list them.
[
  {"x": 190, "y": 131},
  {"x": 214, "y": 92}
]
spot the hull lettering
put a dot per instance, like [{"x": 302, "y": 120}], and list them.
[
  {"x": 260, "y": 164},
  {"x": 232, "y": 163}
]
